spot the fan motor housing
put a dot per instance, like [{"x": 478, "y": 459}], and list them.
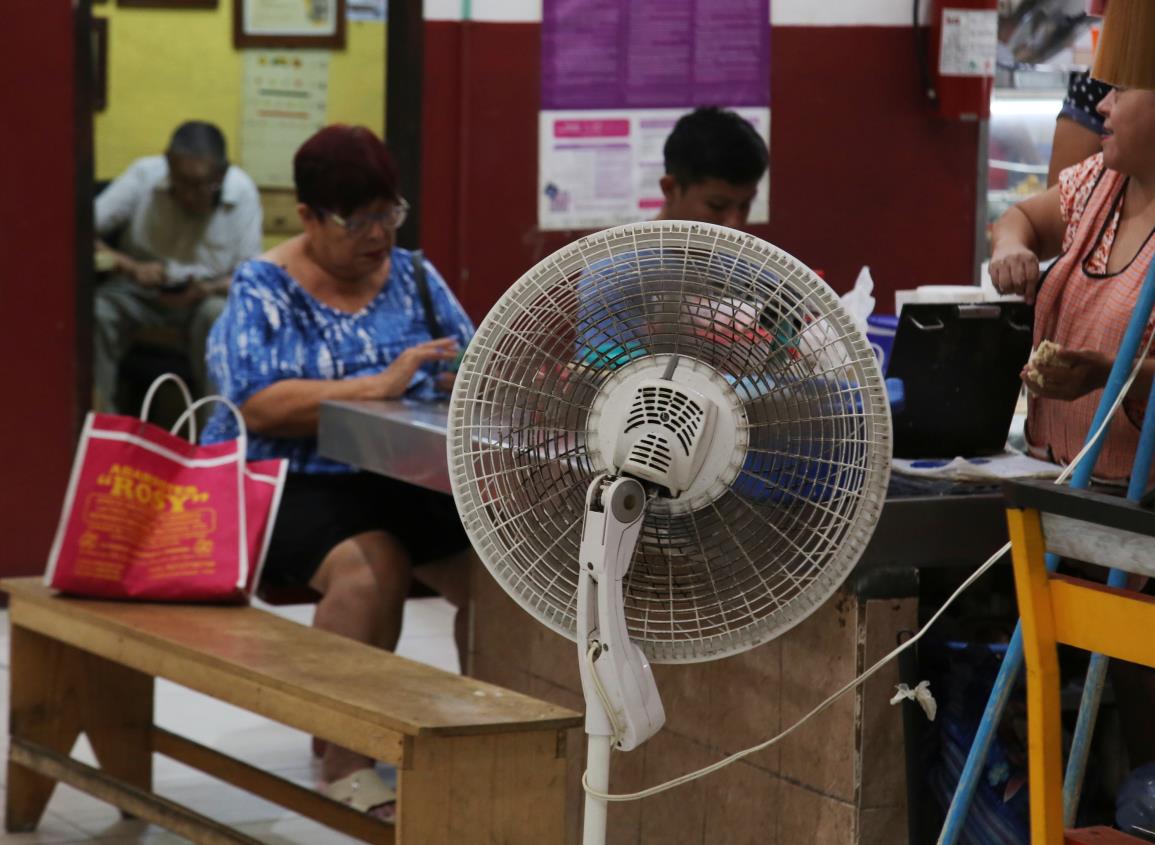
[
  {"x": 696, "y": 452},
  {"x": 666, "y": 435}
]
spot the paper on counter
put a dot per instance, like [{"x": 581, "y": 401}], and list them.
[{"x": 1009, "y": 464}]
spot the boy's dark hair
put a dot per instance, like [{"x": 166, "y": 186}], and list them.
[
  {"x": 714, "y": 143},
  {"x": 197, "y": 138}
]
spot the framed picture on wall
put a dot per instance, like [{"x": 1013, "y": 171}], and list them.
[
  {"x": 168, "y": 4},
  {"x": 99, "y": 63},
  {"x": 289, "y": 23}
]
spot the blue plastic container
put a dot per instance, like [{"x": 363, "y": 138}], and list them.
[
  {"x": 880, "y": 332},
  {"x": 786, "y": 469}
]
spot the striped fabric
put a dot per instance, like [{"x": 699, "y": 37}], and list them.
[{"x": 1079, "y": 308}]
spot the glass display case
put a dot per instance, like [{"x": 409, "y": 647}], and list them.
[
  {"x": 1055, "y": 38},
  {"x": 1022, "y": 125}
]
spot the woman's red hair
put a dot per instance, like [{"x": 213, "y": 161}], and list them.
[{"x": 343, "y": 168}]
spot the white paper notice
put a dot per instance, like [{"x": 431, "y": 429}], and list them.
[
  {"x": 284, "y": 101},
  {"x": 367, "y": 11},
  {"x": 602, "y": 168},
  {"x": 290, "y": 17},
  {"x": 970, "y": 41}
]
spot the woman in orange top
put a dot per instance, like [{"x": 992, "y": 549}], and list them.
[
  {"x": 1100, "y": 221},
  {"x": 1101, "y": 218}
]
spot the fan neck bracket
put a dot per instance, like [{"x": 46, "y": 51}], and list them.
[{"x": 622, "y": 700}]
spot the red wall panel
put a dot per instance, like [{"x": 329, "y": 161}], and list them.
[
  {"x": 441, "y": 163},
  {"x": 38, "y": 299},
  {"x": 861, "y": 170}
]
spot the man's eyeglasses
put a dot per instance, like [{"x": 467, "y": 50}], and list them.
[
  {"x": 361, "y": 223},
  {"x": 198, "y": 186}
]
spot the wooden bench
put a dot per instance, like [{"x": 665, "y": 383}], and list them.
[{"x": 475, "y": 763}]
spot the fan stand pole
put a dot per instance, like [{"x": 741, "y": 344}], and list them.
[
  {"x": 598, "y": 777},
  {"x": 623, "y": 708}
]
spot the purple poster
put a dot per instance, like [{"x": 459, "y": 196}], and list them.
[{"x": 647, "y": 54}]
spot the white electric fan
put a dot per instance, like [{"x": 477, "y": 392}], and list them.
[{"x": 668, "y": 442}]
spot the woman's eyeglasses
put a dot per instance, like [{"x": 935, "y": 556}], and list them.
[{"x": 362, "y": 223}]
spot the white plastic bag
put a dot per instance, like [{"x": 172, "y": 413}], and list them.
[{"x": 859, "y": 301}]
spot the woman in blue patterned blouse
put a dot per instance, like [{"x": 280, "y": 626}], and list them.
[{"x": 336, "y": 313}]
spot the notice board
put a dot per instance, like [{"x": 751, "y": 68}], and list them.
[{"x": 616, "y": 75}]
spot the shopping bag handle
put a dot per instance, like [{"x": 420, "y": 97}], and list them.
[
  {"x": 190, "y": 413},
  {"x": 242, "y": 457},
  {"x": 146, "y": 405}
]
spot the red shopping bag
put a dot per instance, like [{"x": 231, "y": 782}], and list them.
[{"x": 150, "y": 515}]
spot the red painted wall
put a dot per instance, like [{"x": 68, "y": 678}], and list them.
[
  {"x": 861, "y": 171},
  {"x": 38, "y": 299}
]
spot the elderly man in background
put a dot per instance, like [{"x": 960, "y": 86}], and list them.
[{"x": 183, "y": 221}]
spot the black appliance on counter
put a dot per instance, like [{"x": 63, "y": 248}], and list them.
[{"x": 960, "y": 366}]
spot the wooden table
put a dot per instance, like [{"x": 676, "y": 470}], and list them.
[{"x": 838, "y": 781}]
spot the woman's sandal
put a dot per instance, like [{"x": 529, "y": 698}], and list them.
[{"x": 364, "y": 791}]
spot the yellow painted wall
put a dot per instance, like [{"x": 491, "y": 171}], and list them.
[{"x": 170, "y": 65}]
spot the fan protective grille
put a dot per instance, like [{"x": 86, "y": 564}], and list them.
[{"x": 712, "y": 576}]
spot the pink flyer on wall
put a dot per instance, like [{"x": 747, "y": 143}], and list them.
[{"x": 616, "y": 76}]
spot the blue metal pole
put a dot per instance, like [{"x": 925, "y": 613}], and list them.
[
  {"x": 1097, "y": 669},
  {"x": 1013, "y": 659}
]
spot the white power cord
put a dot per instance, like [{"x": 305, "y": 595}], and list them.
[
  {"x": 873, "y": 670},
  {"x": 592, "y": 654}
]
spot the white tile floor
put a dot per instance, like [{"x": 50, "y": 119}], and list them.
[{"x": 72, "y": 816}]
